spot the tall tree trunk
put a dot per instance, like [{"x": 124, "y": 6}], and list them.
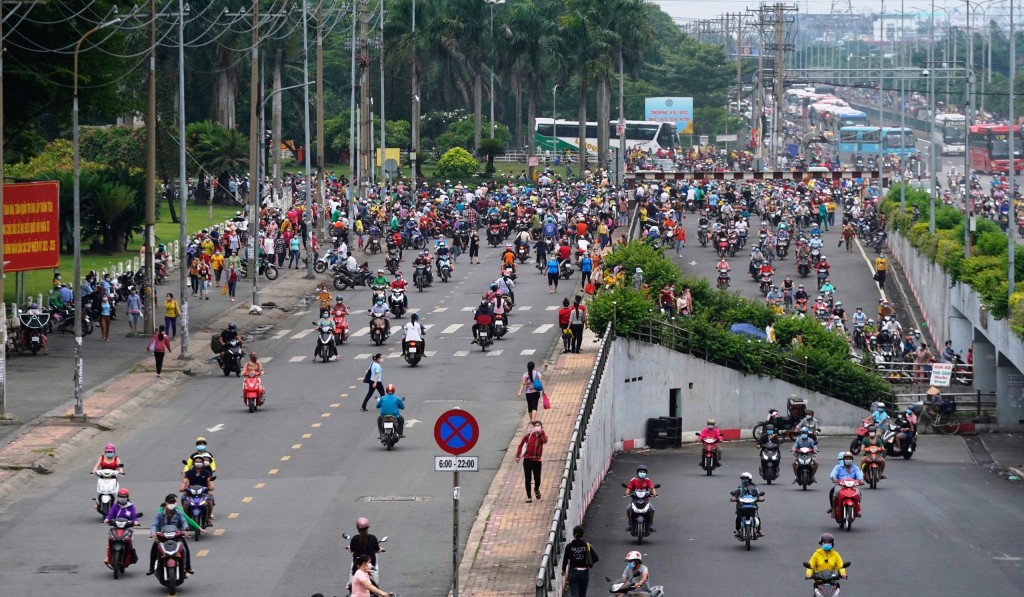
[
  {"x": 602, "y": 123},
  {"x": 275, "y": 119},
  {"x": 531, "y": 123},
  {"x": 519, "y": 117},
  {"x": 477, "y": 106},
  {"x": 583, "y": 126},
  {"x": 225, "y": 88}
]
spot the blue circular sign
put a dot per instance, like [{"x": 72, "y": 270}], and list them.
[{"x": 456, "y": 432}]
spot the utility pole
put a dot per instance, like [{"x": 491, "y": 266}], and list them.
[
  {"x": 416, "y": 103},
  {"x": 254, "y": 152},
  {"x": 149, "y": 279},
  {"x": 321, "y": 177},
  {"x": 739, "y": 61},
  {"x": 779, "y": 20},
  {"x": 365, "y": 159},
  {"x": 757, "y": 100}
]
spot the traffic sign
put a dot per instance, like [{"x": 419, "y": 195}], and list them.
[
  {"x": 456, "y": 432},
  {"x": 447, "y": 464}
]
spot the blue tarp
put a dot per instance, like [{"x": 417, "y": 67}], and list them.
[{"x": 748, "y": 329}]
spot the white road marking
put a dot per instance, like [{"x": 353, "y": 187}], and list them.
[
  {"x": 411, "y": 422},
  {"x": 362, "y": 356},
  {"x": 468, "y": 309},
  {"x": 215, "y": 428},
  {"x": 303, "y": 334},
  {"x": 524, "y": 308},
  {"x": 495, "y": 353},
  {"x": 281, "y": 334},
  {"x": 461, "y": 353},
  {"x": 267, "y": 359},
  {"x": 440, "y": 310},
  {"x": 527, "y": 352},
  {"x": 552, "y": 308},
  {"x": 360, "y": 332},
  {"x": 297, "y": 359},
  {"x": 393, "y": 355},
  {"x": 430, "y": 353},
  {"x": 514, "y": 327},
  {"x": 543, "y": 328},
  {"x": 452, "y": 328}
]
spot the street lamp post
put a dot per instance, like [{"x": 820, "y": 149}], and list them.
[
  {"x": 1011, "y": 171},
  {"x": 76, "y": 173},
  {"x": 554, "y": 122},
  {"x": 308, "y": 216},
  {"x": 492, "y": 3}
]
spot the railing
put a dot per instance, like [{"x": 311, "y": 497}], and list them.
[
  {"x": 901, "y": 372},
  {"x": 977, "y": 404},
  {"x": 547, "y": 574}
]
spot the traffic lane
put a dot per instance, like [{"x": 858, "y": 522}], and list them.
[{"x": 937, "y": 500}]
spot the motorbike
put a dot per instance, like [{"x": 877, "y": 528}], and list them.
[
  {"x": 231, "y": 362},
  {"x": 622, "y": 587},
  {"x": 723, "y": 279},
  {"x": 390, "y": 436},
  {"x": 709, "y": 449},
  {"x": 378, "y": 329},
  {"x": 522, "y": 253},
  {"x": 396, "y": 302},
  {"x": 766, "y": 284},
  {"x": 862, "y": 432},
  {"x": 769, "y": 468},
  {"x": 781, "y": 248},
  {"x": 120, "y": 545},
  {"x": 803, "y": 267},
  {"x": 858, "y": 335},
  {"x": 392, "y": 261},
  {"x": 875, "y": 457},
  {"x": 170, "y": 564},
  {"x": 422, "y": 277},
  {"x": 344, "y": 279},
  {"x": 640, "y": 508},
  {"x": 805, "y": 467},
  {"x": 846, "y": 503},
  {"x": 252, "y": 392},
  {"x": 444, "y": 268},
  {"x": 33, "y": 325},
  {"x": 413, "y": 353},
  {"x": 372, "y": 246},
  {"x": 106, "y": 489},
  {"x": 485, "y": 337},
  {"x": 194, "y": 503},
  {"x": 908, "y": 445},
  {"x": 374, "y": 568},
  {"x": 379, "y": 291},
  {"x": 826, "y": 582},
  {"x": 263, "y": 268},
  {"x": 325, "y": 343},
  {"x": 494, "y": 235},
  {"x": 703, "y": 235},
  {"x": 565, "y": 269},
  {"x": 747, "y": 505},
  {"x": 723, "y": 248},
  {"x": 324, "y": 261},
  {"x": 340, "y": 328}
]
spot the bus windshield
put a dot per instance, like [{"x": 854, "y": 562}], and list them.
[
  {"x": 999, "y": 146},
  {"x": 895, "y": 139},
  {"x": 952, "y": 134}
]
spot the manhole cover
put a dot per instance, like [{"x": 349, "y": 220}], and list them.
[
  {"x": 978, "y": 450},
  {"x": 395, "y": 498},
  {"x": 58, "y": 569}
]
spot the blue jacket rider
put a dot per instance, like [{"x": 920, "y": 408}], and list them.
[
  {"x": 390, "y": 404},
  {"x": 169, "y": 515}
]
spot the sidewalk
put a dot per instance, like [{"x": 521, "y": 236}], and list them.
[{"x": 503, "y": 551}]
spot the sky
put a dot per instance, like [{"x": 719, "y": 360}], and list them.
[{"x": 692, "y": 9}]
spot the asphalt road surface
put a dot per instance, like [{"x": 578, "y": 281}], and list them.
[
  {"x": 295, "y": 475},
  {"x": 938, "y": 525}
]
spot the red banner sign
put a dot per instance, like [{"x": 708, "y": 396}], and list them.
[{"x": 31, "y": 226}]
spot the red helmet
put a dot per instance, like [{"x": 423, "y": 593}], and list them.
[
  {"x": 122, "y": 493},
  {"x": 362, "y": 522},
  {"x": 390, "y": 389}
]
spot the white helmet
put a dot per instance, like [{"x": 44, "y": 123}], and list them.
[
  {"x": 746, "y": 476},
  {"x": 633, "y": 555}
]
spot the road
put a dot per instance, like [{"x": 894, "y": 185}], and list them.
[
  {"x": 295, "y": 475},
  {"x": 939, "y": 525}
]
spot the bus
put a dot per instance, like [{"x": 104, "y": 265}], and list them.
[
  {"x": 988, "y": 148},
  {"x": 859, "y": 139},
  {"x": 948, "y": 136},
  {"x": 898, "y": 141},
  {"x": 647, "y": 135}
]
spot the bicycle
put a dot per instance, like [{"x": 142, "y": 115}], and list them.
[{"x": 942, "y": 417}]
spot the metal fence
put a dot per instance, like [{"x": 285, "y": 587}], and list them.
[
  {"x": 547, "y": 575},
  {"x": 976, "y": 404}
]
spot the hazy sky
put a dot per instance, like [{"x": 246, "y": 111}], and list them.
[{"x": 692, "y": 9}]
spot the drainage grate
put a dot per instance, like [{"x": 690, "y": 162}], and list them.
[
  {"x": 395, "y": 498},
  {"x": 978, "y": 450},
  {"x": 58, "y": 569}
]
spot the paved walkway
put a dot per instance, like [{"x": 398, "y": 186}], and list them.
[{"x": 504, "y": 547}]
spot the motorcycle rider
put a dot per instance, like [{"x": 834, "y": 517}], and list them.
[
  {"x": 769, "y": 437},
  {"x": 379, "y": 283},
  {"x": 825, "y": 558},
  {"x": 747, "y": 487},
  {"x": 713, "y": 432},
  {"x": 390, "y": 404},
  {"x": 443, "y": 252},
  {"x": 506, "y": 286},
  {"x": 200, "y": 451},
  {"x": 484, "y": 316},
  {"x": 109, "y": 460},
  {"x": 508, "y": 258},
  {"x": 123, "y": 508},
  {"x": 800, "y": 293},
  {"x": 723, "y": 265},
  {"x": 636, "y": 574},
  {"x": 199, "y": 474},
  {"x": 226, "y": 336},
  {"x": 844, "y": 470},
  {"x": 413, "y": 331},
  {"x": 906, "y": 428},
  {"x": 380, "y": 309},
  {"x": 254, "y": 366},
  {"x": 364, "y": 543},
  {"x": 811, "y": 424},
  {"x": 399, "y": 283},
  {"x": 878, "y": 414},
  {"x": 423, "y": 259},
  {"x": 641, "y": 481},
  {"x": 340, "y": 309},
  {"x": 169, "y": 515},
  {"x": 806, "y": 441},
  {"x": 873, "y": 439}
]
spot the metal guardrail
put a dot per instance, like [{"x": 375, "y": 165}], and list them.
[
  {"x": 979, "y": 404},
  {"x": 546, "y": 575},
  {"x": 901, "y": 372}
]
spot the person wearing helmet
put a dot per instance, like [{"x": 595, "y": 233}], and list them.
[
  {"x": 122, "y": 508},
  {"x": 441, "y": 252},
  {"x": 747, "y": 487},
  {"x": 393, "y": 405},
  {"x": 484, "y": 316},
  {"x": 636, "y": 574},
  {"x": 845, "y": 470},
  {"x": 169, "y": 514},
  {"x": 641, "y": 481},
  {"x": 200, "y": 452},
  {"x": 253, "y": 367},
  {"x": 825, "y": 558},
  {"x": 200, "y": 475},
  {"x": 506, "y": 286},
  {"x": 873, "y": 439},
  {"x": 424, "y": 259},
  {"x": 811, "y": 424},
  {"x": 413, "y": 331},
  {"x": 380, "y": 309},
  {"x": 769, "y": 437},
  {"x": 340, "y": 309},
  {"x": 713, "y": 432},
  {"x": 364, "y": 543},
  {"x": 508, "y": 258},
  {"x": 226, "y": 336},
  {"x": 109, "y": 460},
  {"x": 878, "y": 414},
  {"x": 379, "y": 283},
  {"x": 805, "y": 440}
]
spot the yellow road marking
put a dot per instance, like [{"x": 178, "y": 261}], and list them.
[
  {"x": 218, "y": 532},
  {"x": 315, "y": 425},
  {"x": 335, "y": 405},
  {"x": 202, "y": 553},
  {"x": 296, "y": 446},
  {"x": 345, "y": 395},
  {"x": 285, "y": 458},
  {"x": 259, "y": 486},
  {"x": 233, "y": 515},
  {"x": 307, "y": 435},
  {"x": 272, "y": 471},
  {"x": 246, "y": 500},
  {"x": 325, "y": 415}
]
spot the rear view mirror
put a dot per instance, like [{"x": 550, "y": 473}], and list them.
[
  {"x": 383, "y": 539},
  {"x": 346, "y": 536},
  {"x": 808, "y": 566},
  {"x": 761, "y": 494},
  {"x": 657, "y": 485},
  {"x": 213, "y": 478},
  {"x": 624, "y": 485},
  {"x": 847, "y": 564}
]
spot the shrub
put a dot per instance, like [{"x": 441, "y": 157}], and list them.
[
  {"x": 119, "y": 147},
  {"x": 456, "y": 163}
]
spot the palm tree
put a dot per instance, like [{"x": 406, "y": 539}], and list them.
[
  {"x": 466, "y": 21},
  {"x": 580, "y": 47},
  {"x": 524, "y": 57}
]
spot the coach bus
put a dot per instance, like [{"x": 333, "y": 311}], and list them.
[
  {"x": 648, "y": 135},
  {"x": 898, "y": 141},
  {"x": 859, "y": 139},
  {"x": 948, "y": 138},
  {"x": 988, "y": 148}
]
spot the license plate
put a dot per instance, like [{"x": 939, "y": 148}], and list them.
[
  {"x": 498, "y": 324},
  {"x": 389, "y": 425},
  {"x": 35, "y": 338},
  {"x": 412, "y": 349}
]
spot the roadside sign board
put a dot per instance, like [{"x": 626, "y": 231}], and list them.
[
  {"x": 941, "y": 374},
  {"x": 448, "y": 464},
  {"x": 456, "y": 432}
]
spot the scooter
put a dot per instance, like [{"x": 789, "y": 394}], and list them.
[
  {"x": 565, "y": 269},
  {"x": 120, "y": 547},
  {"x": 522, "y": 254},
  {"x": 500, "y": 326},
  {"x": 846, "y": 503},
  {"x": 640, "y": 508},
  {"x": 231, "y": 362},
  {"x": 252, "y": 392},
  {"x": 723, "y": 279},
  {"x": 374, "y": 568},
  {"x": 709, "y": 449},
  {"x": 769, "y": 468},
  {"x": 747, "y": 505},
  {"x": 106, "y": 489},
  {"x": 396, "y": 302},
  {"x": 862, "y": 432},
  {"x": 421, "y": 277},
  {"x": 390, "y": 436},
  {"x": 170, "y": 564},
  {"x": 194, "y": 502},
  {"x": 874, "y": 458},
  {"x": 826, "y": 582},
  {"x": 413, "y": 352},
  {"x": 378, "y": 330},
  {"x": 444, "y": 268},
  {"x": 325, "y": 346},
  {"x": 805, "y": 467},
  {"x": 621, "y": 587},
  {"x": 340, "y": 329},
  {"x": 484, "y": 337}
]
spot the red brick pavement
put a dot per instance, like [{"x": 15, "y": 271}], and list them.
[{"x": 508, "y": 537}]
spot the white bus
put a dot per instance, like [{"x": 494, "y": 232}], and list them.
[
  {"x": 949, "y": 135},
  {"x": 647, "y": 135}
]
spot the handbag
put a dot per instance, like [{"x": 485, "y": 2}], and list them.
[
  {"x": 224, "y": 290},
  {"x": 367, "y": 378},
  {"x": 152, "y": 345},
  {"x": 536, "y": 383},
  {"x": 546, "y": 400}
]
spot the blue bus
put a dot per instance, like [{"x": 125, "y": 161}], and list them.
[
  {"x": 859, "y": 139},
  {"x": 851, "y": 117},
  {"x": 899, "y": 141}
]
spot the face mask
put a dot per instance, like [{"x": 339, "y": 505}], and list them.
[
  {"x": 711, "y": 426},
  {"x": 631, "y": 565},
  {"x": 641, "y": 475},
  {"x": 201, "y": 447},
  {"x": 198, "y": 465},
  {"x": 170, "y": 508},
  {"x": 848, "y": 462},
  {"x": 872, "y": 434},
  {"x": 110, "y": 454},
  {"x": 827, "y": 547},
  {"x": 122, "y": 501}
]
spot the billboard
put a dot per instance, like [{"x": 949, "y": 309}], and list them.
[
  {"x": 31, "y": 226},
  {"x": 671, "y": 109}
]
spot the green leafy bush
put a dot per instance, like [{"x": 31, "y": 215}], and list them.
[
  {"x": 119, "y": 147},
  {"x": 456, "y": 163},
  {"x": 629, "y": 308}
]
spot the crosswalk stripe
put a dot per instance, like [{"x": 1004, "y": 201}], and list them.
[
  {"x": 281, "y": 334},
  {"x": 525, "y": 308},
  {"x": 430, "y": 353},
  {"x": 393, "y": 355},
  {"x": 361, "y": 356},
  {"x": 440, "y": 310},
  {"x": 468, "y": 309},
  {"x": 552, "y": 308},
  {"x": 461, "y": 353},
  {"x": 514, "y": 327},
  {"x": 297, "y": 359},
  {"x": 543, "y": 328},
  {"x": 494, "y": 353},
  {"x": 303, "y": 334},
  {"x": 428, "y": 326},
  {"x": 452, "y": 328},
  {"x": 360, "y": 332},
  {"x": 527, "y": 352},
  {"x": 267, "y": 360}
]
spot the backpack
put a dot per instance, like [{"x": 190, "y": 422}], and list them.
[{"x": 537, "y": 385}]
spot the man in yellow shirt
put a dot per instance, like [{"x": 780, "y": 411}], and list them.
[
  {"x": 825, "y": 558},
  {"x": 881, "y": 266}
]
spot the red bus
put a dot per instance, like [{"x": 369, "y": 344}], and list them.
[{"x": 988, "y": 148}]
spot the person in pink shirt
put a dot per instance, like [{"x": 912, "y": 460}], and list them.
[{"x": 713, "y": 432}]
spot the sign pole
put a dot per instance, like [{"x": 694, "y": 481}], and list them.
[
  {"x": 455, "y": 534},
  {"x": 456, "y": 432}
]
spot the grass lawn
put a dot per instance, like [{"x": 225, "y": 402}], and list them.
[{"x": 198, "y": 217}]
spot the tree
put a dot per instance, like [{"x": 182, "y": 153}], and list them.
[
  {"x": 218, "y": 151},
  {"x": 490, "y": 147},
  {"x": 456, "y": 163}
]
